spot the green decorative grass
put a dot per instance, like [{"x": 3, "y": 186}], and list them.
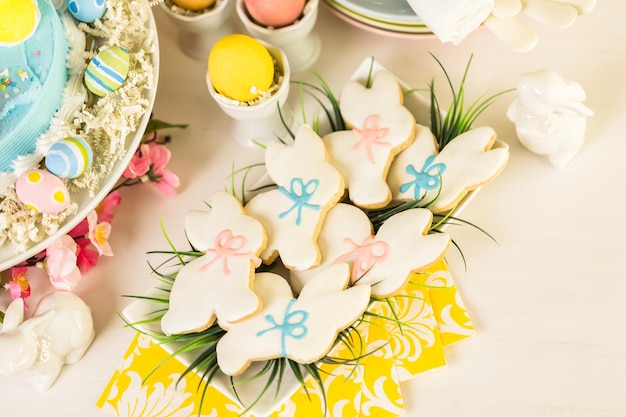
[
  {"x": 446, "y": 127},
  {"x": 203, "y": 344},
  {"x": 459, "y": 118}
]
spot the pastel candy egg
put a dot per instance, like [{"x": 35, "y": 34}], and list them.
[
  {"x": 86, "y": 10},
  {"x": 275, "y": 13},
  {"x": 194, "y": 4},
  {"x": 107, "y": 71},
  {"x": 240, "y": 67},
  {"x": 69, "y": 157},
  {"x": 42, "y": 191}
]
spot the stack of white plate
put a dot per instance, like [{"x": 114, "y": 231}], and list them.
[{"x": 393, "y": 16}]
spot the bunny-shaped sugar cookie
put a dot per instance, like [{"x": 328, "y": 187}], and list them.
[
  {"x": 384, "y": 261},
  {"x": 381, "y": 127},
  {"x": 441, "y": 179},
  {"x": 303, "y": 329},
  {"x": 308, "y": 186},
  {"x": 218, "y": 284}
]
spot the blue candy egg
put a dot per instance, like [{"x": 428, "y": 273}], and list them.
[
  {"x": 107, "y": 71},
  {"x": 86, "y": 10},
  {"x": 69, "y": 157}
]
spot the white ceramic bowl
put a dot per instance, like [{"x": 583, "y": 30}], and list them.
[
  {"x": 259, "y": 123},
  {"x": 199, "y": 32},
  {"x": 284, "y": 35},
  {"x": 298, "y": 40},
  {"x": 204, "y": 22}
]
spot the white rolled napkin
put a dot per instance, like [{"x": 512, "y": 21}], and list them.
[{"x": 452, "y": 20}]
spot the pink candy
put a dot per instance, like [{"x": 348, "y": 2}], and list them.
[
  {"x": 275, "y": 13},
  {"x": 43, "y": 192}
]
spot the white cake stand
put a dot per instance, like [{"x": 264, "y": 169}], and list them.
[{"x": 9, "y": 256}]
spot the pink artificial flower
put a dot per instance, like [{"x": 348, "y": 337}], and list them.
[
  {"x": 81, "y": 229},
  {"x": 151, "y": 137},
  {"x": 139, "y": 164},
  {"x": 86, "y": 257},
  {"x": 19, "y": 287},
  {"x": 166, "y": 181},
  {"x": 99, "y": 234},
  {"x": 158, "y": 154},
  {"x": 61, "y": 264},
  {"x": 105, "y": 208}
]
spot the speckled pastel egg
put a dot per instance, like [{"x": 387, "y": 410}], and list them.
[
  {"x": 86, "y": 10},
  {"x": 107, "y": 71},
  {"x": 240, "y": 67},
  {"x": 69, "y": 157},
  {"x": 275, "y": 13},
  {"x": 194, "y": 4},
  {"x": 42, "y": 191}
]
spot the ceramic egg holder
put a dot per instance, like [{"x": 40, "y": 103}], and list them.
[
  {"x": 300, "y": 43},
  {"x": 198, "y": 32},
  {"x": 258, "y": 123}
]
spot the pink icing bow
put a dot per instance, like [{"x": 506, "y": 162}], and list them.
[
  {"x": 371, "y": 135},
  {"x": 364, "y": 255},
  {"x": 227, "y": 245}
]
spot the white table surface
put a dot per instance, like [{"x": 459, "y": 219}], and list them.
[{"x": 548, "y": 301}]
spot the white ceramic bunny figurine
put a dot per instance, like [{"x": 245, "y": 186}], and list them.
[
  {"x": 549, "y": 116},
  {"x": 59, "y": 332}
]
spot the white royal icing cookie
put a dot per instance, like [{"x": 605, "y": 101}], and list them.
[
  {"x": 381, "y": 127},
  {"x": 386, "y": 260},
  {"x": 466, "y": 163},
  {"x": 219, "y": 283},
  {"x": 308, "y": 185},
  {"x": 302, "y": 329}
]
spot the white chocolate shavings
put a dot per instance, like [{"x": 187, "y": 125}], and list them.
[{"x": 105, "y": 124}]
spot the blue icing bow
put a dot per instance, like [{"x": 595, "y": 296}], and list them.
[
  {"x": 300, "y": 196},
  {"x": 428, "y": 178},
  {"x": 292, "y": 326}
]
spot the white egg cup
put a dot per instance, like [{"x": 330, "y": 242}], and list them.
[
  {"x": 198, "y": 33},
  {"x": 260, "y": 123},
  {"x": 299, "y": 41}
]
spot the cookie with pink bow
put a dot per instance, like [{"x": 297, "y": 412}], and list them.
[
  {"x": 292, "y": 214},
  {"x": 303, "y": 329},
  {"x": 385, "y": 260},
  {"x": 217, "y": 285},
  {"x": 380, "y": 128}
]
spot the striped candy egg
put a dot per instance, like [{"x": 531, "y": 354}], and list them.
[
  {"x": 41, "y": 191},
  {"x": 107, "y": 71},
  {"x": 69, "y": 157}
]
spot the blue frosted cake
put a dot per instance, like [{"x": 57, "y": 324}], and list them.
[
  {"x": 52, "y": 120},
  {"x": 33, "y": 74}
]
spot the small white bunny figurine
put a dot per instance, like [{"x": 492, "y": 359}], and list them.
[
  {"x": 549, "y": 116},
  {"x": 59, "y": 332}
]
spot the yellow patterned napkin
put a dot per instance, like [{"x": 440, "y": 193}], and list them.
[
  {"x": 432, "y": 316},
  {"x": 452, "y": 317},
  {"x": 348, "y": 388},
  {"x": 429, "y": 315}
]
